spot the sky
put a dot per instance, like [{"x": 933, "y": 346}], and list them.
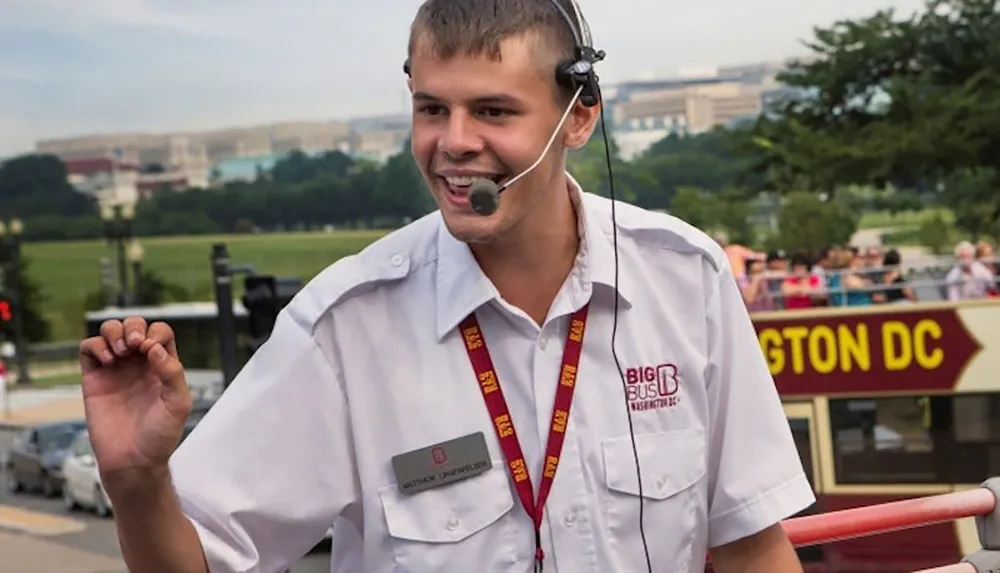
[{"x": 76, "y": 67}]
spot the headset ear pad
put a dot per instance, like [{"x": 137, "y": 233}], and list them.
[{"x": 574, "y": 74}]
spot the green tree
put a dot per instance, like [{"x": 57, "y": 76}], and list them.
[
  {"x": 889, "y": 101},
  {"x": 807, "y": 222}
]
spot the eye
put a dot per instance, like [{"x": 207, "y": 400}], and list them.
[
  {"x": 496, "y": 112},
  {"x": 431, "y": 109}
]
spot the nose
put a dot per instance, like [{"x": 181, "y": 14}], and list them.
[{"x": 461, "y": 140}]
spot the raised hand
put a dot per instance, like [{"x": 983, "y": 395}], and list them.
[{"x": 135, "y": 395}]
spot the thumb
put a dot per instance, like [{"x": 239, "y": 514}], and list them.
[{"x": 168, "y": 368}]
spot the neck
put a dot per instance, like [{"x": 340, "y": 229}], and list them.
[{"x": 529, "y": 264}]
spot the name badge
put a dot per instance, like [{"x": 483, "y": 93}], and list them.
[{"x": 442, "y": 464}]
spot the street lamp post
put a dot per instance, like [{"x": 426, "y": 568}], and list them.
[
  {"x": 10, "y": 234},
  {"x": 135, "y": 256},
  {"x": 118, "y": 231}
]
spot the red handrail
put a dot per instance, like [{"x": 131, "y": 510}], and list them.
[{"x": 887, "y": 517}]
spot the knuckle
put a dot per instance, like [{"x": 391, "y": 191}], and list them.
[{"x": 135, "y": 322}]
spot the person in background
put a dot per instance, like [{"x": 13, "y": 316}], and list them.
[
  {"x": 897, "y": 292},
  {"x": 753, "y": 286},
  {"x": 738, "y": 255},
  {"x": 871, "y": 268},
  {"x": 849, "y": 287},
  {"x": 985, "y": 255},
  {"x": 969, "y": 278},
  {"x": 801, "y": 288},
  {"x": 777, "y": 270}
]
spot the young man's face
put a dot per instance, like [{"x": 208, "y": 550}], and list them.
[{"x": 475, "y": 117}]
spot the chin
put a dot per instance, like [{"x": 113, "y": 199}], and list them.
[{"x": 470, "y": 227}]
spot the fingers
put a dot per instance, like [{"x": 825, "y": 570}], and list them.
[
  {"x": 121, "y": 338},
  {"x": 166, "y": 366},
  {"x": 160, "y": 333},
  {"x": 94, "y": 353},
  {"x": 135, "y": 331},
  {"x": 113, "y": 333}
]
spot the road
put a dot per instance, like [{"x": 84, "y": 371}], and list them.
[{"x": 91, "y": 546}]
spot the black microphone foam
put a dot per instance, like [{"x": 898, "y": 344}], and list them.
[{"x": 484, "y": 196}]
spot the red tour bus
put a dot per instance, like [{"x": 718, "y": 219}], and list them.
[{"x": 887, "y": 403}]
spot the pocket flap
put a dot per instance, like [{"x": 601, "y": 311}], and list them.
[
  {"x": 670, "y": 462},
  {"x": 450, "y": 513}
]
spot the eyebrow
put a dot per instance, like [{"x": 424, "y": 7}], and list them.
[{"x": 492, "y": 99}]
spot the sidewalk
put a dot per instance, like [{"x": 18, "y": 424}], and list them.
[
  {"x": 28, "y": 407},
  {"x": 27, "y": 554},
  {"x": 35, "y": 406}
]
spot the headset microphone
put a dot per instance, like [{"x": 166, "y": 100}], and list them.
[{"x": 484, "y": 195}]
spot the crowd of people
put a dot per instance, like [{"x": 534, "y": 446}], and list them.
[{"x": 853, "y": 276}]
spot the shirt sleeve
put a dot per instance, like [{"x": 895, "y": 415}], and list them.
[
  {"x": 265, "y": 473},
  {"x": 756, "y": 475}
]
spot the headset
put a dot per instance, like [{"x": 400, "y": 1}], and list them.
[{"x": 576, "y": 74}]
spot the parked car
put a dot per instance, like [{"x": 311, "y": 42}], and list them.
[
  {"x": 34, "y": 461},
  {"x": 82, "y": 486}
]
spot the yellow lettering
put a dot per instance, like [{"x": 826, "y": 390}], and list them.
[
  {"x": 823, "y": 349},
  {"x": 559, "y": 419},
  {"x": 897, "y": 356},
  {"x": 576, "y": 331},
  {"x": 473, "y": 339},
  {"x": 518, "y": 470},
  {"x": 568, "y": 375},
  {"x": 551, "y": 463},
  {"x": 772, "y": 346},
  {"x": 488, "y": 381},
  {"x": 795, "y": 335},
  {"x": 924, "y": 329},
  {"x": 504, "y": 427},
  {"x": 854, "y": 345}
]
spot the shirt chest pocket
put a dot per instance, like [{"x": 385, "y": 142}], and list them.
[
  {"x": 674, "y": 497},
  {"x": 452, "y": 527}
]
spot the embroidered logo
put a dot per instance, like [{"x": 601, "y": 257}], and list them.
[{"x": 652, "y": 387}]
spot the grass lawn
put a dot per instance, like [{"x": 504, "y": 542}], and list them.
[
  {"x": 884, "y": 219},
  {"x": 68, "y": 272}
]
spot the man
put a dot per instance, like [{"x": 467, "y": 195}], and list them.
[
  {"x": 373, "y": 405},
  {"x": 969, "y": 278}
]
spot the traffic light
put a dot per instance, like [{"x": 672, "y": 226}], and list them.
[{"x": 265, "y": 296}]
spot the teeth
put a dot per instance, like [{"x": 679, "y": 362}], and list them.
[{"x": 461, "y": 181}]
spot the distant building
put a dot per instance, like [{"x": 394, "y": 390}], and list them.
[
  {"x": 644, "y": 112},
  {"x": 109, "y": 179}
]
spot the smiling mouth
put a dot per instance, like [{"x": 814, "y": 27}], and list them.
[{"x": 464, "y": 182}]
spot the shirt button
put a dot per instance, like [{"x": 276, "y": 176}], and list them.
[
  {"x": 543, "y": 341},
  {"x": 452, "y": 524},
  {"x": 569, "y": 520},
  {"x": 397, "y": 260}
]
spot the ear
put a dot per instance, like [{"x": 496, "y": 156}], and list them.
[{"x": 580, "y": 125}]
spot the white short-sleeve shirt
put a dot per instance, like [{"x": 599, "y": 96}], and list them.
[{"x": 367, "y": 362}]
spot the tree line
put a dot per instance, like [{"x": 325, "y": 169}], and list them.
[{"x": 891, "y": 112}]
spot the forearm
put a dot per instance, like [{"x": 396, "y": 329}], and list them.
[
  {"x": 768, "y": 551},
  {"x": 154, "y": 534}
]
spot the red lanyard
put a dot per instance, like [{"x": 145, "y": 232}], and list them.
[{"x": 479, "y": 355}]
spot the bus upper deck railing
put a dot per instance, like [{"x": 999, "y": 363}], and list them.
[{"x": 981, "y": 503}]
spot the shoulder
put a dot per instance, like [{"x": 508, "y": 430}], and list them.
[
  {"x": 654, "y": 230},
  {"x": 388, "y": 260}
]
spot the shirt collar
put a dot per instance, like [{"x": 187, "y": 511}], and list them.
[{"x": 462, "y": 287}]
